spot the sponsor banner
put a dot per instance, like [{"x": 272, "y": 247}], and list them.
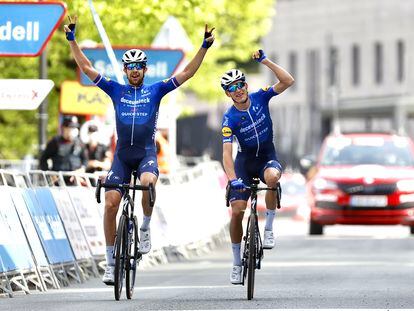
[
  {"x": 82, "y": 100},
  {"x": 14, "y": 250},
  {"x": 28, "y": 226},
  {"x": 48, "y": 225},
  {"x": 91, "y": 221},
  {"x": 23, "y": 94},
  {"x": 26, "y": 27},
  {"x": 72, "y": 226}
]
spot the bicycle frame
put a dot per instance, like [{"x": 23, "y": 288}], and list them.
[
  {"x": 252, "y": 238},
  {"x": 126, "y": 253}
]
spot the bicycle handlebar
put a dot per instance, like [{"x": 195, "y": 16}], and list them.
[
  {"x": 278, "y": 190},
  {"x": 125, "y": 187}
]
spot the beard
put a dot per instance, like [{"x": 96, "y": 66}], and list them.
[{"x": 136, "y": 80}]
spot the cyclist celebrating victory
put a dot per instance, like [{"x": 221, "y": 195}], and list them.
[
  {"x": 249, "y": 121},
  {"x": 136, "y": 109}
]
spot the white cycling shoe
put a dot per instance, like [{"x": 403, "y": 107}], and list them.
[
  {"x": 144, "y": 241},
  {"x": 108, "y": 277},
  {"x": 268, "y": 240},
  {"x": 236, "y": 275}
]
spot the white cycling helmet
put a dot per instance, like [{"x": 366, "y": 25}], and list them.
[
  {"x": 134, "y": 56},
  {"x": 231, "y": 76}
]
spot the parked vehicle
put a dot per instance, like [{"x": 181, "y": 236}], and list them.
[{"x": 362, "y": 179}]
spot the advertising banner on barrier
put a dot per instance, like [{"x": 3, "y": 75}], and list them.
[
  {"x": 49, "y": 226},
  {"x": 91, "y": 221},
  {"x": 14, "y": 251},
  {"x": 28, "y": 226},
  {"x": 70, "y": 221}
]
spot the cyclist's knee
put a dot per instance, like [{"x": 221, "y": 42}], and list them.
[
  {"x": 112, "y": 200},
  {"x": 148, "y": 178},
  {"x": 272, "y": 178},
  {"x": 238, "y": 209}
]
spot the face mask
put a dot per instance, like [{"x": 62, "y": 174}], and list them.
[
  {"x": 94, "y": 137},
  {"x": 73, "y": 133}
]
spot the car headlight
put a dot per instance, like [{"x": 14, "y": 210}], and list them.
[
  {"x": 406, "y": 185},
  {"x": 323, "y": 184}
]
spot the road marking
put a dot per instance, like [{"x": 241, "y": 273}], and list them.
[{"x": 111, "y": 289}]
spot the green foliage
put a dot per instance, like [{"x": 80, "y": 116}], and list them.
[{"x": 239, "y": 26}]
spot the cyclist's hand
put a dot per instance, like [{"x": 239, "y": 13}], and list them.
[
  {"x": 237, "y": 184},
  {"x": 71, "y": 28},
  {"x": 259, "y": 56},
  {"x": 208, "y": 37}
]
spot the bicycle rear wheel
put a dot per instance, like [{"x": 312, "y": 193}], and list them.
[
  {"x": 251, "y": 261},
  {"x": 120, "y": 255},
  {"x": 132, "y": 257}
]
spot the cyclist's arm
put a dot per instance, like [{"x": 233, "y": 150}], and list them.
[
  {"x": 195, "y": 63},
  {"x": 228, "y": 162},
  {"x": 83, "y": 62},
  {"x": 284, "y": 77}
]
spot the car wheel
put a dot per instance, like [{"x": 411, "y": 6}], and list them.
[
  {"x": 412, "y": 229},
  {"x": 315, "y": 228}
]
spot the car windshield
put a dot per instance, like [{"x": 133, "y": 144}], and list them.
[{"x": 367, "y": 151}]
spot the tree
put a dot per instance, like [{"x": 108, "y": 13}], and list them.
[{"x": 239, "y": 27}]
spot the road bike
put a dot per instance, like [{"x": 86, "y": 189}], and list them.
[
  {"x": 126, "y": 252},
  {"x": 253, "y": 247}
]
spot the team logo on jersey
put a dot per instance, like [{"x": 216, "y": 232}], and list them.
[
  {"x": 107, "y": 79},
  {"x": 165, "y": 80},
  {"x": 265, "y": 88},
  {"x": 226, "y": 131}
]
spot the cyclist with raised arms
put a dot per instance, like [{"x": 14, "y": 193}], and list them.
[
  {"x": 136, "y": 109},
  {"x": 248, "y": 121}
]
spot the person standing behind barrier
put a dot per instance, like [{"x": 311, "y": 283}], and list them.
[
  {"x": 99, "y": 155},
  {"x": 66, "y": 151},
  {"x": 248, "y": 119},
  {"x": 136, "y": 109}
]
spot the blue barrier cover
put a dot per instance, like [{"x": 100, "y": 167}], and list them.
[
  {"x": 14, "y": 250},
  {"x": 48, "y": 224},
  {"x": 28, "y": 226}
]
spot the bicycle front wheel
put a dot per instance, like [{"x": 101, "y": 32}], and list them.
[
  {"x": 132, "y": 259},
  {"x": 251, "y": 261},
  {"x": 120, "y": 255}
]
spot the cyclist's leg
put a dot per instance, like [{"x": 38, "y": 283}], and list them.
[
  {"x": 271, "y": 174},
  {"x": 238, "y": 201},
  {"x": 119, "y": 173},
  {"x": 148, "y": 173}
]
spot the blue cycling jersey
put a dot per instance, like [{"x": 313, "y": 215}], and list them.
[
  {"x": 252, "y": 128},
  {"x": 136, "y": 111}
]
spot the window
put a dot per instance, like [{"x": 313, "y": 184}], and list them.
[
  {"x": 293, "y": 60},
  {"x": 378, "y": 59},
  {"x": 400, "y": 60},
  {"x": 356, "y": 65},
  {"x": 333, "y": 65}
]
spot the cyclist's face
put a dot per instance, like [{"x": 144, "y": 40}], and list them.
[
  {"x": 240, "y": 94},
  {"x": 135, "y": 76}
]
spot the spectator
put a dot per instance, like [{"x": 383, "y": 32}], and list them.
[
  {"x": 65, "y": 150},
  {"x": 99, "y": 155}
]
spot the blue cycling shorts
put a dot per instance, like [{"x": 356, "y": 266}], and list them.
[
  {"x": 122, "y": 167},
  {"x": 248, "y": 167}
]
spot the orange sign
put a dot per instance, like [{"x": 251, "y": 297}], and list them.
[{"x": 84, "y": 100}]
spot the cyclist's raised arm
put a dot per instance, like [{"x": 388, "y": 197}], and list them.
[
  {"x": 195, "y": 63},
  {"x": 284, "y": 77},
  {"x": 83, "y": 62}
]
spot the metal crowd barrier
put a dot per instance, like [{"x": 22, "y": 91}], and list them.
[{"x": 51, "y": 231}]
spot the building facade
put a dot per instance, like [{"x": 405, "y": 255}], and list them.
[{"x": 352, "y": 62}]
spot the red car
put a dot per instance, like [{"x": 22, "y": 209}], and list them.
[{"x": 362, "y": 179}]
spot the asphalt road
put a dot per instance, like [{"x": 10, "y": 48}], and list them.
[{"x": 348, "y": 267}]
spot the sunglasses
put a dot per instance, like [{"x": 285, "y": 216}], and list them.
[
  {"x": 132, "y": 66},
  {"x": 235, "y": 87}
]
